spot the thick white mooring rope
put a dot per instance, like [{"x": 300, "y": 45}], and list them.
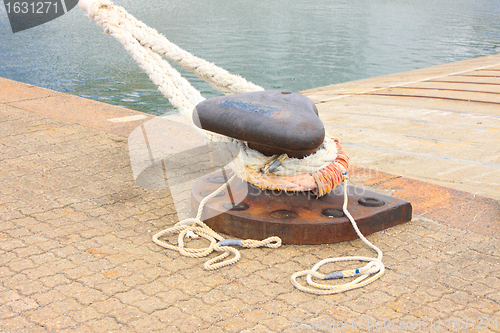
[{"x": 146, "y": 45}]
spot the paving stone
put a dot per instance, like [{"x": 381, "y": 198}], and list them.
[
  {"x": 295, "y": 298},
  {"x": 84, "y": 314},
  {"x": 7, "y": 312},
  {"x": 28, "y": 251},
  {"x": 107, "y": 324},
  {"x": 11, "y": 244},
  {"x": 60, "y": 323},
  {"x": 172, "y": 296},
  {"x": 147, "y": 324},
  {"x": 48, "y": 297},
  {"x": 494, "y": 297},
  {"x": 9, "y": 296},
  {"x": 16, "y": 324},
  {"x": 7, "y": 257},
  {"x": 126, "y": 314},
  {"x": 81, "y": 293},
  {"x": 446, "y": 303},
  {"x": 363, "y": 304},
  {"x": 79, "y": 273},
  {"x": 108, "y": 305},
  {"x": 229, "y": 308},
  {"x": 152, "y": 273},
  {"x": 183, "y": 322},
  {"x": 80, "y": 328},
  {"x": 390, "y": 312},
  {"x": 42, "y": 315},
  {"x": 99, "y": 265},
  {"x": 65, "y": 305},
  {"x": 256, "y": 315},
  {"x": 215, "y": 296},
  {"x": 54, "y": 280},
  {"x": 257, "y": 328},
  {"x": 197, "y": 308},
  {"x": 478, "y": 289},
  {"x": 234, "y": 324},
  {"x": 492, "y": 282},
  {"x": 151, "y": 304},
  {"x": 315, "y": 306},
  {"x": 112, "y": 287},
  {"x": 18, "y": 232},
  {"x": 276, "y": 321},
  {"x": 131, "y": 296},
  {"x": 252, "y": 297},
  {"x": 296, "y": 314},
  {"x": 23, "y": 304}
]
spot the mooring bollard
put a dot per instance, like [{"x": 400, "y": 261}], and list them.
[
  {"x": 272, "y": 122},
  {"x": 281, "y": 124}
]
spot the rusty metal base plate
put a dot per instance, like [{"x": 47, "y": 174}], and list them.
[{"x": 297, "y": 218}]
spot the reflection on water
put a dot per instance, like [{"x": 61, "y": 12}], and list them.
[{"x": 280, "y": 44}]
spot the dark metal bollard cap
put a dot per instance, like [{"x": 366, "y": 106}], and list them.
[{"x": 272, "y": 122}]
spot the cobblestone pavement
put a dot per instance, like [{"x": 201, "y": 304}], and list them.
[{"x": 76, "y": 254}]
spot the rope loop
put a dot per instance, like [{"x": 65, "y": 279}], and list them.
[
  {"x": 218, "y": 262},
  {"x": 217, "y": 242},
  {"x": 374, "y": 267}
]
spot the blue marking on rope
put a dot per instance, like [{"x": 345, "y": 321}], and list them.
[
  {"x": 230, "y": 242},
  {"x": 334, "y": 275},
  {"x": 356, "y": 271}
]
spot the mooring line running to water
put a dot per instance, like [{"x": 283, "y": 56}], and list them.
[{"x": 326, "y": 168}]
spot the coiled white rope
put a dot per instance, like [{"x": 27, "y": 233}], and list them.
[
  {"x": 374, "y": 266},
  {"x": 145, "y": 45},
  {"x": 195, "y": 226}
]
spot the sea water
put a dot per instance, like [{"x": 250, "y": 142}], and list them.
[{"x": 279, "y": 44}]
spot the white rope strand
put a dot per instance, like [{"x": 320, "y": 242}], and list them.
[
  {"x": 217, "y": 77},
  {"x": 217, "y": 242},
  {"x": 374, "y": 266},
  {"x": 220, "y": 79},
  {"x": 170, "y": 82}
]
